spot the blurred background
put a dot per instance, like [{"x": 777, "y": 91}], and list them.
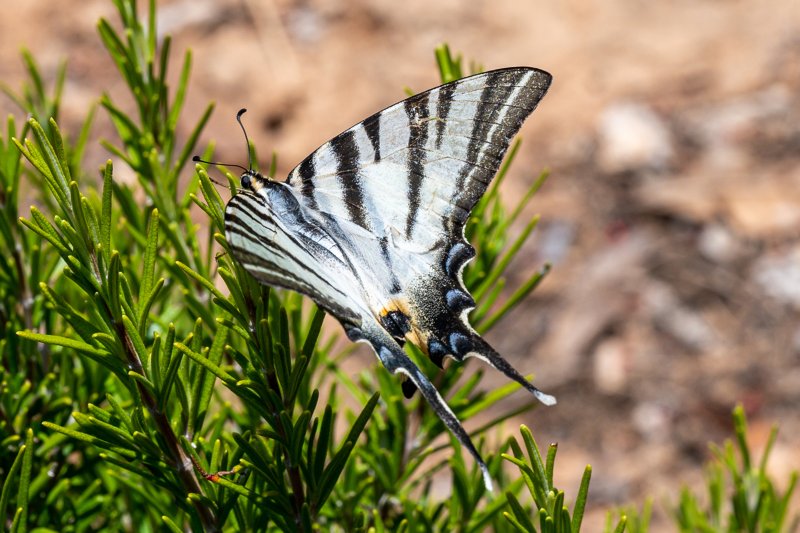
[{"x": 671, "y": 217}]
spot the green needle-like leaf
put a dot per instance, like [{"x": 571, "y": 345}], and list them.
[
  {"x": 23, "y": 491},
  {"x": 198, "y": 358},
  {"x": 57, "y": 340},
  {"x": 580, "y": 502},
  {"x": 204, "y": 385},
  {"x": 337, "y": 464},
  {"x": 150, "y": 254},
  {"x": 521, "y": 520}
]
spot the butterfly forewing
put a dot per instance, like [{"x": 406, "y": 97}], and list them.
[
  {"x": 420, "y": 166},
  {"x": 371, "y": 224}
]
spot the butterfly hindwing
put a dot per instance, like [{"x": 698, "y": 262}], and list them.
[{"x": 397, "y": 361}]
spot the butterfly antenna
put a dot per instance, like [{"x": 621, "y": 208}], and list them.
[
  {"x": 246, "y": 138},
  {"x": 249, "y": 168},
  {"x": 197, "y": 159}
]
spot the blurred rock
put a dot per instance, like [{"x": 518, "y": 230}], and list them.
[
  {"x": 692, "y": 197},
  {"x": 554, "y": 240},
  {"x": 651, "y": 420},
  {"x": 684, "y": 324},
  {"x": 724, "y": 127},
  {"x": 632, "y": 137},
  {"x": 718, "y": 244},
  {"x": 778, "y": 275},
  {"x": 178, "y": 16},
  {"x": 762, "y": 208},
  {"x": 305, "y": 24},
  {"x": 610, "y": 361}
]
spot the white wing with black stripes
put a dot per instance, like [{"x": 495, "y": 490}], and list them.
[{"x": 371, "y": 224}]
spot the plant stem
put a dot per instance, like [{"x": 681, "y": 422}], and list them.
[
  {"x": 298, "y": 495},
  {"x": 180, "y": 460}
]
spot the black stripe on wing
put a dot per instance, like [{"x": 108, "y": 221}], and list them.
[
  {"x": 307, "y": 173},
  {"x": 417, "y": 112},
  {"x": 444, "y": 99},
  {"x": 345, "y": 150},
  {"x": 372, "y": 127},
  {"x": 508, "y": 97}
]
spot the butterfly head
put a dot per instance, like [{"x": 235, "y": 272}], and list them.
[{"x": 253, "y": 181}]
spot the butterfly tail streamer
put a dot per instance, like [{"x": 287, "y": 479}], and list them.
[
  {"x": 395, "y": 360},
  {"x": 488, "y": 354},
  {"x": 450, "y": 333}
]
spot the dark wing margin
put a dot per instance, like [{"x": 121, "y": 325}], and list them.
[
  {"x": 441, "y": 304},
  {"x": 506, "y": 99}
]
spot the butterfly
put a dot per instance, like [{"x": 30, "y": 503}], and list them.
[{"x": 371, "y": 225}]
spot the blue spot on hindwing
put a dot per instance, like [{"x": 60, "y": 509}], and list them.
[
  {"x": 460, "y": 344},
  {"x": 458, "y": 300},
  {"x": 437, "y": 351},
  {"x": 354, "y": 333},
  {"x": 458, "y": 254}
]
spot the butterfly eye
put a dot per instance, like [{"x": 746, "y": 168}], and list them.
[{"x": 247, "y": 181}]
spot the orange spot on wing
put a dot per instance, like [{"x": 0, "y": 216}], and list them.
[{"x": 416, "y": 336}]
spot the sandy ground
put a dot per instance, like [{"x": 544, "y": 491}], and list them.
[{"x": 672, "y": 216}]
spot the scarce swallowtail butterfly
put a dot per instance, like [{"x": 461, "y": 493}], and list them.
[{"x": 371, "y": 225}]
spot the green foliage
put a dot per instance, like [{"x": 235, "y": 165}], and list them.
[
  {"x": 741, "y": 496},
  {"x": 537, "y": 473},
  {"x": 550, "y": 513},
  {"x": 138, "y": 393}
]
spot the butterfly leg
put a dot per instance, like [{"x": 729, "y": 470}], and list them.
[{"x": 397, "y": 361}]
